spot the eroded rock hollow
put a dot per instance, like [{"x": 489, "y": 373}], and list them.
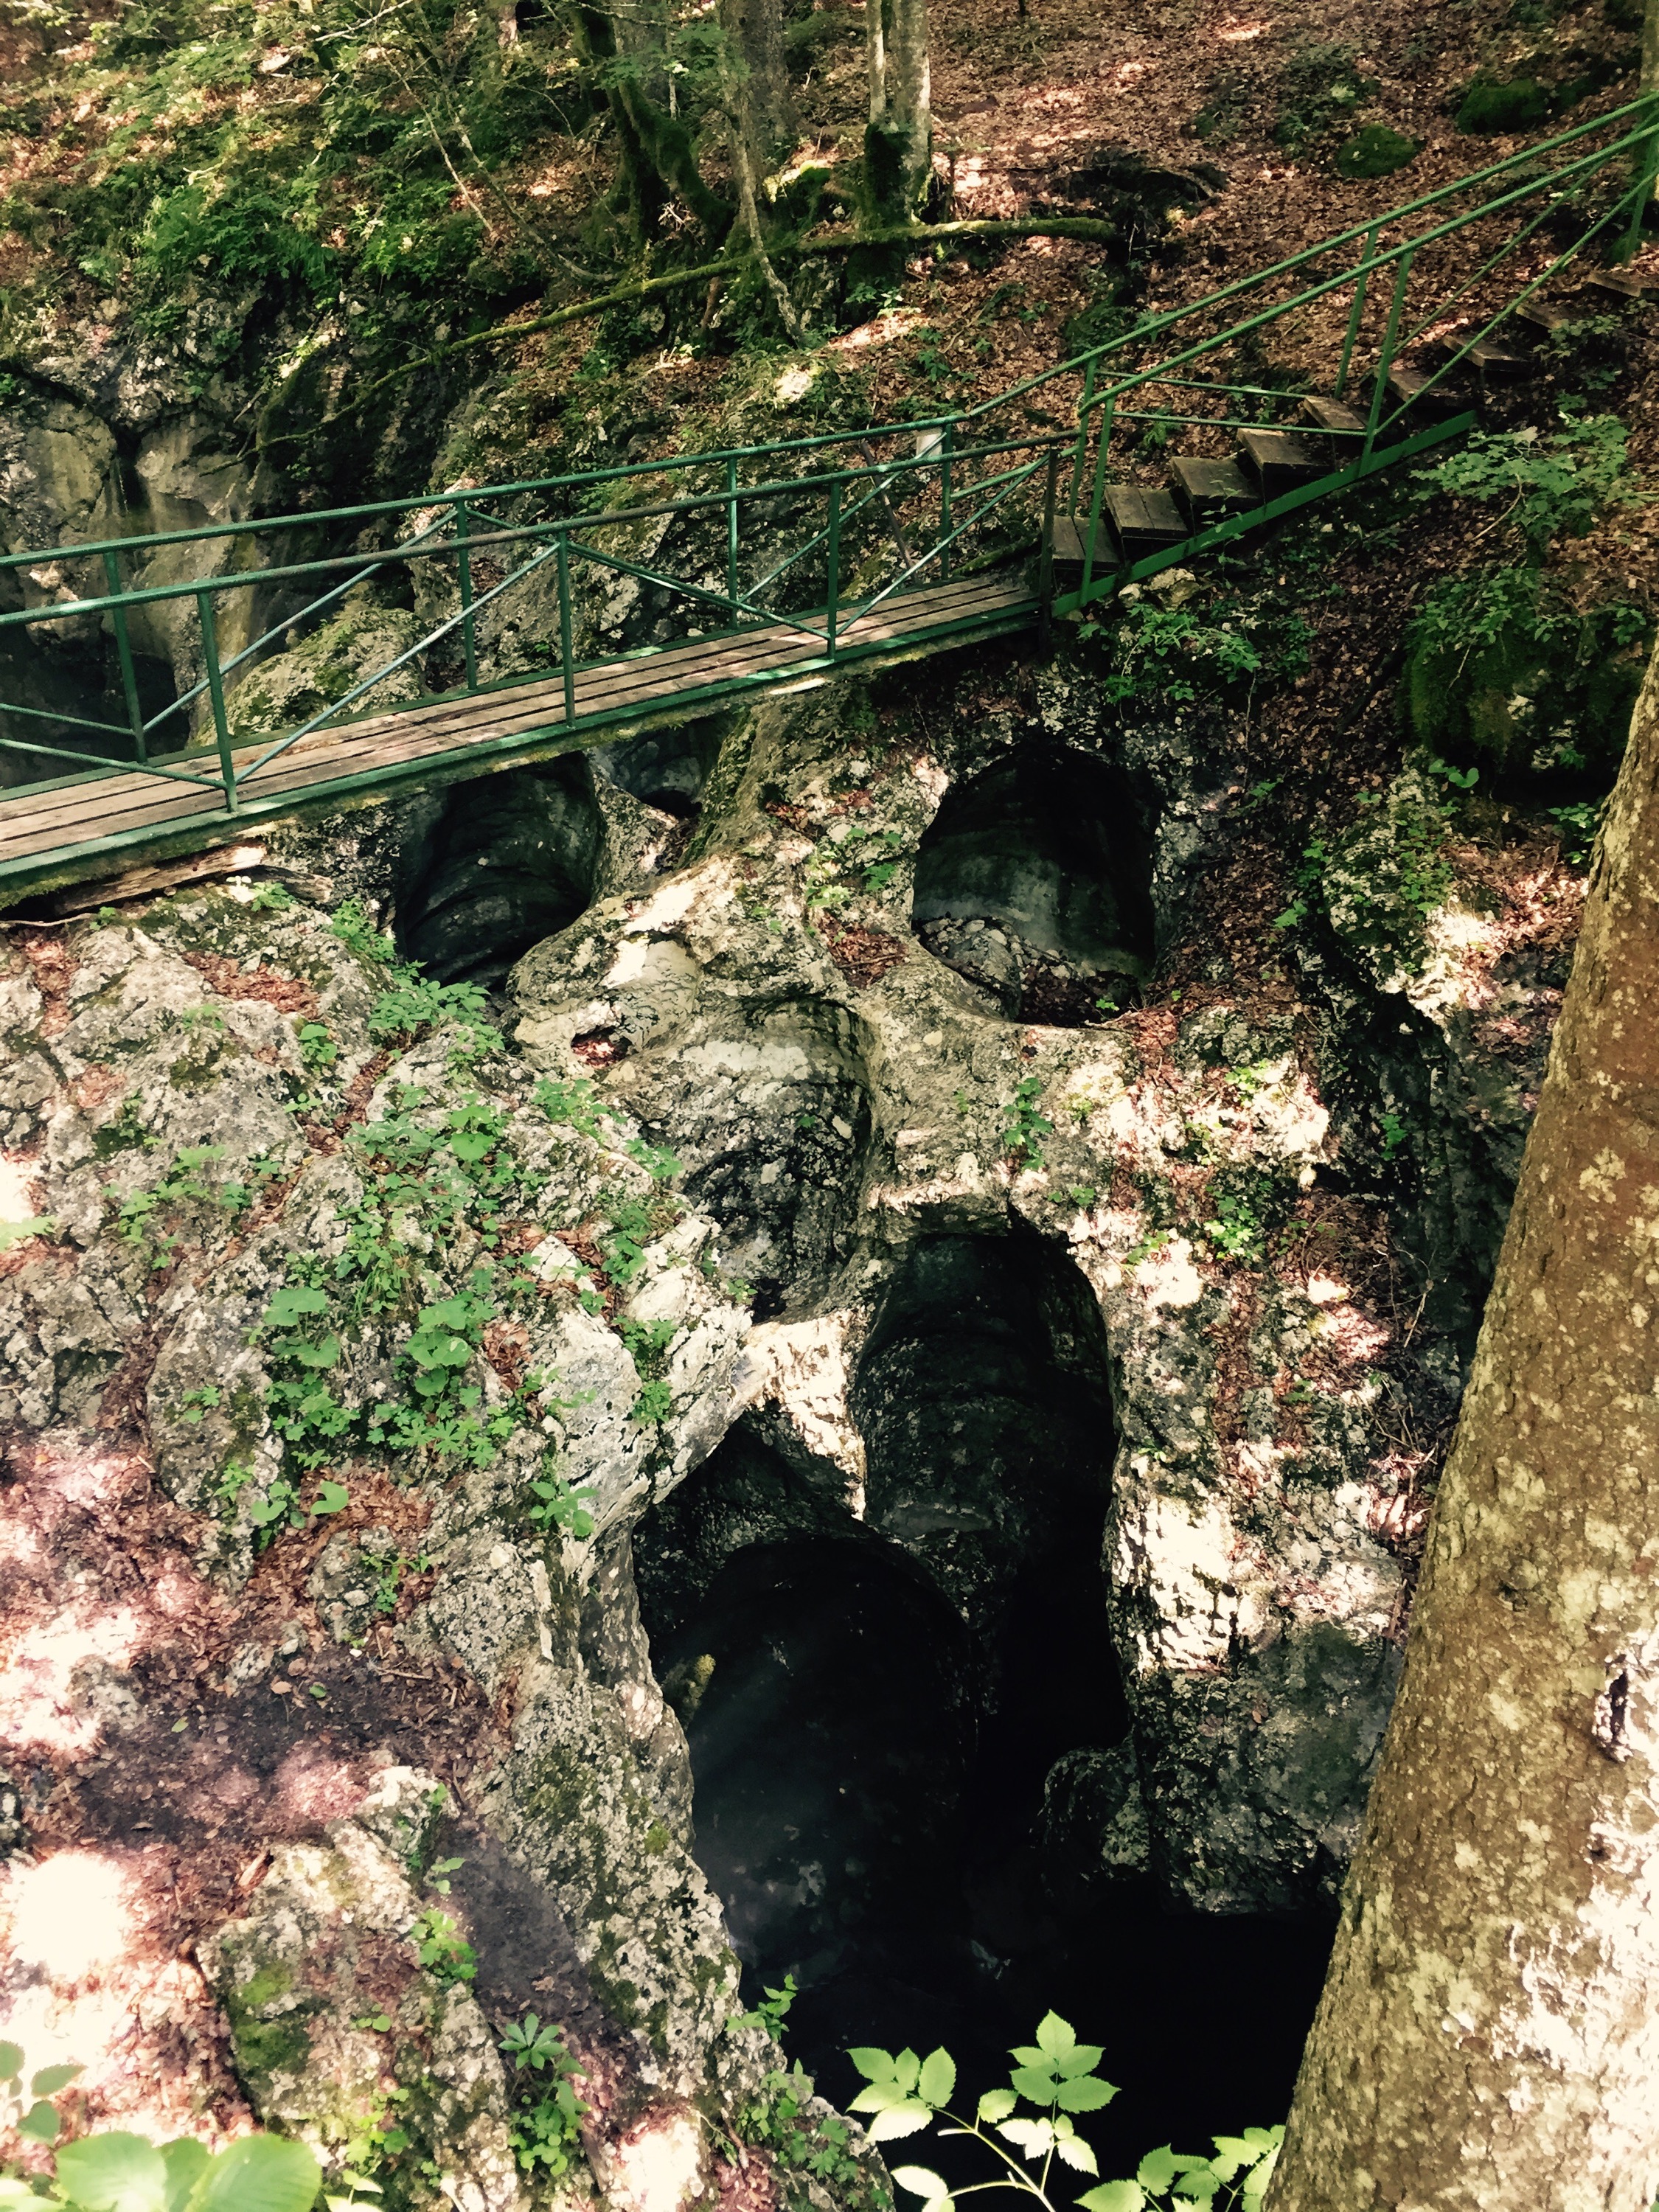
[{"x": 820, "y": 1437}]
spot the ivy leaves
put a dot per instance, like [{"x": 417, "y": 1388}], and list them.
[{"x": 1059, "y": 2076}]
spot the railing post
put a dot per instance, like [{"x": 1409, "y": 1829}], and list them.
[
  {"x": 1106, "y": 414},
  {"x": 217, "y": 696},
  {"x": 123, "y": 649},
  {"x": 947, "y": 449},
  {"x": 1046, "y": 571},
  {"x": 1647, "y": 164},
  {"x": 1082, "y": 455},
  {"x": 833, "y": 560},
  {"x": 1385, "y": 360},
  {"x": 732, "y": 528},
  {"x": 464, "y": 572},
  {"x": 565, "y": 658},
  {"x": 1358, "y": 309}
]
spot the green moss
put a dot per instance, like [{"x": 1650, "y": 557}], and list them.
[
  {"x": 267, "y": 1985},
  {"x": 657, "y": 1840},
  {"x": 1377, "y": 151},
  {"x": 1489, "y": 107},
  {"x": 277, "y": 2046}
]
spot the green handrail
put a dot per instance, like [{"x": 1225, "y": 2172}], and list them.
[{"x": 976, "y": 475}]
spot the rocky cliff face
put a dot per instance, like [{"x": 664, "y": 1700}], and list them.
[{"x": 816, "y": 1308}]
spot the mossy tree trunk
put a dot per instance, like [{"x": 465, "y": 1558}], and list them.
[
  {"x": 898, "y": 142},
  {"x": 1488, "y": 2036},
  {"x": 765, "y": 106},
  {"x": 658, "y": 155}
]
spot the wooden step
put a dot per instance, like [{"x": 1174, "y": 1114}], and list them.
[
  {"x": 1503, "y": 364},
  {"x": 1626, "y": 284},
  {"x": 1212, "y": 490},
  {"x": 1280, "y": 460},
  {"x": 1409, "y": 387},
  {"x": 1069, "y": 536},
  {"x": 1143, "y": 521},
  {"x": 1333, "y": 416},
  {"x": 1549, "y": 316}
]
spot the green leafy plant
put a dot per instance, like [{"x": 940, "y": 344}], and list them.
[
  {"x": 1026, "y": 1125},
  {"x": 1057, "y": 2076},
  {"x": 558, "y": 1506},
  {"x": 114, "y": 2171},
  {"x": 1578, "y": 825},
  {"x": 545, "y": 2122},
  {"x": 1236, "y": 1232},
  {"x": 441, "y": 1949},
  {"x": 1554, "y": 481},
  {"x": 18, "y": 1232}
]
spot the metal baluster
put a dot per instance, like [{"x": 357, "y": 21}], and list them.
[
  {"x": 1647, "y": 168},
  {"x": 1046, "y": 572},
  {"x": 947, "y": 447},
  {"x": 834, "y": 557},
  {"x": 1106, "y": 414},
  {"x": 563, "y": 559},
  {"x": 123, "y": 649},
  {"x": 1396, "y": 308},
  {"x": 464, "y": 571},
  {"x": 1082, "y": 434},
  {"x": 1358, "y": 309},
  {"x": 732, "y": 528},
  {"x": 217, "y": 696}
]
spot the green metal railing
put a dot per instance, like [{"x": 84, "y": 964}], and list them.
[{"x": 811, "y": 538}]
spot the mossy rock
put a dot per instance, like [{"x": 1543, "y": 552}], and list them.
[
  {"x": 1377, "y": 151},
  {"x": 1550, "y": 689},
  {"x": 1489, "y": 107}
]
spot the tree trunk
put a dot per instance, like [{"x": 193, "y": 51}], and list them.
[
  {"x": 658, "y": 156},
  {"x": 1489, "y": 2034},
  {"x": 766, "y": 107},
  {"x": 898, "y": 144}
]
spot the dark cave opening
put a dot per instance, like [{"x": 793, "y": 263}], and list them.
[
  {"x": 80, "y": 680},
  {"x": 878, "y": 1680},
  {"x": 1034, "y": 881},
  {"x": 511, "y": 859}
]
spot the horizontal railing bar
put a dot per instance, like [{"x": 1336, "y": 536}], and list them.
[
  {"x": 413, "y": 503},
  {"x": 70, "y": 721},
  {"x": 102, "y": 761},
  {"x": 1110, "y": 392},
  {"x": 608, "y": 518},
  {"x": 1153, "y": 325}
]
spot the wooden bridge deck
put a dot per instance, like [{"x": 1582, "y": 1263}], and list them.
[{"x": 59, "y": 831}]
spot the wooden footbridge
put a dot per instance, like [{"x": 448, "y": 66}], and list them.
[{"x": 763, "y": 568}]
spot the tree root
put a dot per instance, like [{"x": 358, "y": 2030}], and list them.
[{"x": 1087, "y": 228}]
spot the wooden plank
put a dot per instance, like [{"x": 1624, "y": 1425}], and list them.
[{"x": 119, "y": 804}]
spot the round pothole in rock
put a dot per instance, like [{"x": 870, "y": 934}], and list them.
[
  {"x": 511, "y": 859},
  {"x": 1034, "y": 881},
  {"x": 878, "y": 1680},
  {"x": 772, "y": 1135},
  {"x": 669, "y": 768}
]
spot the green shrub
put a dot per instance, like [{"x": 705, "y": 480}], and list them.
[
  {"x": 1489, "y": 107},
  {"x": 1377, "y": 151}
]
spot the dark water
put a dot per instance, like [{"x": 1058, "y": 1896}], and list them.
[{"x": 870, "y": 1832}]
